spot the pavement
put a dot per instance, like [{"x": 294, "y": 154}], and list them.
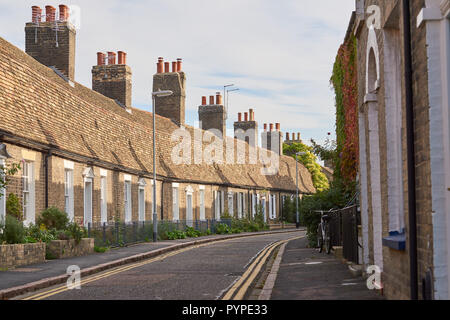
[
  {"x": 55, "y": 271},
  {"x": 305, "y": 274}
]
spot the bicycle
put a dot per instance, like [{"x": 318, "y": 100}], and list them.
[{"x": 323, "y": 233}]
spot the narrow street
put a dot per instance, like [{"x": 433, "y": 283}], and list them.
[{"x": 199, "y": 273}]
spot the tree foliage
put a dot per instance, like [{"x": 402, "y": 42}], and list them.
[{"x": 309, "y": 160}]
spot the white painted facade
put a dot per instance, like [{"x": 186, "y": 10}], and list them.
[{"x": 435, "y": 16}]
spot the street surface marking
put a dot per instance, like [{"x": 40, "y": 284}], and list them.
[
  {"x": 250, "y": 274},
  {"x": 63, "y": 288}
]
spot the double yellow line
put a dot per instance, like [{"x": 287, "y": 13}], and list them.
[
  {"x": 238, "y": 290},
  {"x": 63, "y": 288},
  {"x": 253, "y": 269}
]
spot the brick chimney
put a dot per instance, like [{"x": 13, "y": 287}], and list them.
[
  {"x": 213, "y": 115},
  {"x": 171, "y": 107},
  {"x": 272, "y": 139},
  {"x": 247, "y": 130},
  {"x": 111, "y": 79},
  {"x": 50, "y": 39}
]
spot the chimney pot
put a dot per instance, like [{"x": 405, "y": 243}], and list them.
[
  {"x": 298, "y": 136},
  {"x": 63, "y": 12},
  {"x": 246, "y": 116},
  {"x": 287, "y": 136},
  {"x": 179, "y": 64},
  {"x": 211, "y": 100},
  {"x": 36, "y": 16},
  {"x": 50, "y": 13},
  {"x": 174, "y": 67},
  {"x": 100, "y": 58},
  {"x": 265, "y": 127},
  {"x": 166, "y": 67},
  {"x": 239, "y": 117},
  {"x": 271, "y": 127},
  {"x": 111, "y": 58},
  {"x": 160, "y": 65},
  {"x": 278, "y": 127},
  {"x": 203, "y": 101},
  {"x": 122, "y": 57},
  {"x": 252, "y": 115},
  {"x": 219, "y": 98}
]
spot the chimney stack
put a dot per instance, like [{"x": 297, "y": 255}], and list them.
[
  {"x": 273, "y": 140},
  {"x": 213, "y": 116},
  {"x": 247, "y": 130},
  {"x": 49, "y": 46},
  {"x": 113, "y": 80},
  {"x": 171, "y": 107}
]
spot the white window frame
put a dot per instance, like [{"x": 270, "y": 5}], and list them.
[
  {"x": 88, "y": 187},
  {"x": 127, "y": 203},
  {"x": 28, "y": 180},
  {"x": 239, "y": 204},
  {"x": 217, "y": 205},
  {"x": 175, "y": 202},
  {"x": 68, "y": 193},
  {"x": 264, "y": 209},
  {"x": 202, "y": 203},
  {"x": 230, "y": 203},
  {"x": 104, "y": 196},
  {"x": 141, "y": 199},
  {"x": 2, "y": 194},
  {"x": 274, "y": 207},
  {"x": 189, "y": 214}
]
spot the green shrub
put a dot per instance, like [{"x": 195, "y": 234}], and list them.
[
  {"x": 176, "y": 234},
  {"x": 192, "y": 233},
  {"x": 222, "y": 228},
  {"x": 76, "y": 232},
  {"x": 13, "y": 207},
  {"x": 53, "y": 218},
  {"x": 12, "y": 232},
  {"x": 100, "y": 249},
  {"x": 34, "y": 234}
]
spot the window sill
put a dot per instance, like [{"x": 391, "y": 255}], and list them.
[{"x": 396, "y": 241}]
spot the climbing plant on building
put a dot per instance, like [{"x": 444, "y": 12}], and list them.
[{"x": 344, "y": 83}]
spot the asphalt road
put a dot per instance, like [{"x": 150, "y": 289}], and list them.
[{"x": 199, "y": 273}]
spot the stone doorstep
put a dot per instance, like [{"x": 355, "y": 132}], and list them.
[{"x": 48, "y": 282}]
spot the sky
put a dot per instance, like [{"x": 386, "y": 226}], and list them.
[{"x": 279, "y": 53}]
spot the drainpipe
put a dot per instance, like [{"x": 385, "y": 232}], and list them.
[
  {"x": 162, "y": 200},
  {"x": 410, "y": 152},
  {"x": 46, "y": 158}
]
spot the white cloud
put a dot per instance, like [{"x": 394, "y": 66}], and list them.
[{"x": 281, "y": 52}]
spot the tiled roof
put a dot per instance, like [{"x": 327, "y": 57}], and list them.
[{"x": 39, "y": 105}]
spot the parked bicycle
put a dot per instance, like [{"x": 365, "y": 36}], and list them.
[{"x": 323, "y": 232}]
